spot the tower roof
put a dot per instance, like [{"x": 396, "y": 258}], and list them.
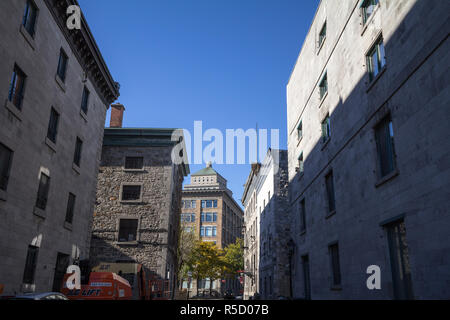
[{"x": 208, "y": 171}]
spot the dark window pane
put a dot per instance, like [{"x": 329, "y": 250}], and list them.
[
  {"x": 29, "y": 17},
  {"x": 30, "y": 265},
  {"x": 335, "y": 264},
  {"x": 384, "y": 135},
  {"x": 62, "y": 65},
  {"x": 302, "y": 215},
  {"x": 16, "y": 89},
  {"x": 326, "y": 128},
  {"x": 53, "y": 126},
  {"x": 330, "y": 192},
  {"x": 44, "y": 185},
  {"x": 78, "y": 149},
  {"x": 323, "y": 86},
  {"x": 6, "y": 155},
  {"x": 368, "y": 7},
  {"x": 399, "y": 256},
  {"x": 128, "y": 230},
  {"x": 62, "y": 262},
  {"x": 131, "y": 193},
  {"x": 322, "y": 34},
  {"x": 85, "y": 100},
  {"x": 70, "y": 208},
  {"x": 135, "y": 163}
]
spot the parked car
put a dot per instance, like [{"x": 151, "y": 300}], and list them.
[{"x": 40, "y": 296}]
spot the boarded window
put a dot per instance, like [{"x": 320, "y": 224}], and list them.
[
  {"x": 335, "y": 264},
  {"x": 42, "y": 196}
]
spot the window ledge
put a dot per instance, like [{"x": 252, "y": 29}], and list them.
[
  {"x": 133, "y": 170},
  {"x": 13, "y": 109},
  {"x": 76, "y": 168},
  {"x": 28, "y": 287},
  {"x": 303, "y": 232},
  {"x": 83, "y": 115},
  {"x": 325, "y": 143},
  {"x": 68, "y": 226},
  {"x": 323, "y": 99},
  {"x": 300, "y": 175},
  {"x": 127, "y": 243},
  {"x": 378, "y": 76},
  {"x": 330, "y": 214},
  {"x": 28, "y": 37},
  {"x": 39, "y": 212},
  {"x": 60, "y": 83},
  {"x": 3, "y": 195},
  {"x": 50, "y": 144},
  {"x": 386, "y": 178},
  {"x": 299, "y": 140}
]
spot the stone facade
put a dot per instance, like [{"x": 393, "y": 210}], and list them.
[
  {"x": 267, "y": 228},
  {"x": 208, "y": 185},
  {"x": 157, "y": 209},
  {"x": 24, "y": 131},
  {"x": 398, "y": 221}
]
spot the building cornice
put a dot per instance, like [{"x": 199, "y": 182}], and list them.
[{"x": 86, "y": 51}]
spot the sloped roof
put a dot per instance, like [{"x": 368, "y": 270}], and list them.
[{"x": 208, "y": 171}]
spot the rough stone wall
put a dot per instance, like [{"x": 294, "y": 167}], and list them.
[
  {"x": 158, "y": 213},
  {"x": 414, "y": 90}
]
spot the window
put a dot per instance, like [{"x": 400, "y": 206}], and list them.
[
  {"x": 323, "y": 86},
  {"x": 188, "y": 217},
  {"x": 85, "y": 100},
  {"x": 300, "y": 130},
  {"x": 208, "y": 231},
  {"x": 209, "y": 217},
  {"x": 302, "y": 216},
  {"x": 62, "y": 262},
  {"x": 335, "y": 265},
  {"x": 30, "y": 265},
  {"x": 209, "y": 203},
  {"x": 16, "y": 88},
  {"x": 53, "y": 126},
  {"x": 29, "y": 17},
  {"x": 128, "y": 230},
  {"x": 70, "y": 208},
  {"x": 322, "y": 34},
  {"x": 376, "y": 59},
  {"x": 134, "y": 163},
  {"x": 384, "y": 136},
  {"x": 42, "y": 196},
  {"x": 326, "y": 128},
  {"x": 300, "y": 163},
  {"x": 77, "y": 154},
  {"x": 193, "y": 204},
  {"x": 62, "y": 65},
  {"x": 131, "y": 193},
  {"x": 367, "y": 8},
  {"x": 330, "y": 192},
  {"x": 399, "y": 258},
  {"x": 6, "y": 155}
]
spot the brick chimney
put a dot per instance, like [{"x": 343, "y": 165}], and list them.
[{"x": 116, "y": 115}]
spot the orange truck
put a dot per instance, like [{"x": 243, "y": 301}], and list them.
[{"x": 101, "y": 286}]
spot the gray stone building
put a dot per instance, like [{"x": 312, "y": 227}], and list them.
[
  {"x": 55, "y": 89},
  {"x": 210, "y": 211},
  {"x": 369, "y": 152},
  {"x": 266, "y": 219},
  {"x": 137, "y": 212}
]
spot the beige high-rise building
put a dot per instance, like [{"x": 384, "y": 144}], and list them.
[{"x": 209, "y": 209}]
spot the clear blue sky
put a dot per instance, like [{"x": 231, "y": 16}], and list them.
[{"x": 225, "y": 62}]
